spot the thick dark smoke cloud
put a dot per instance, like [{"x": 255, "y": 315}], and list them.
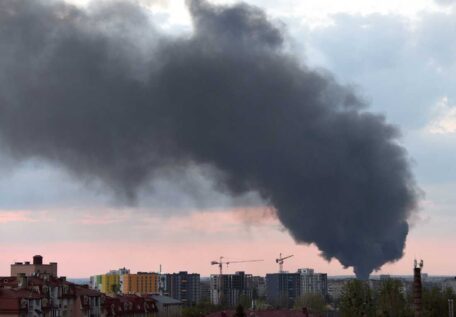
[{"x": 103, "y": 94}]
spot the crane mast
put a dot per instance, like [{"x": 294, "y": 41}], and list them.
[
  {"x": 220, "y": 263},
  {"x": 280, "y": 261}
]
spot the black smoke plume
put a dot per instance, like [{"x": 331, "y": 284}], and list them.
[{"x": 104, "y": 94}]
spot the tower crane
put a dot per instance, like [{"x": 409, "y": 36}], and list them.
[
  {"x": 221, "y": 263},
  {"x": 280, "y": 261}
]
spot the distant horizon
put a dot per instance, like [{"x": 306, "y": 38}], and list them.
[
  {"x": 329, "y": 276},
  {"x": 320, "y": 129}
]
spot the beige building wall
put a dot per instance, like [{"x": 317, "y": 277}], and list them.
[{"x": 31, "y": 269}]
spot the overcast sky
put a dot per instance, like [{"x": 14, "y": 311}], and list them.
[{"x": 401, "y": 58}]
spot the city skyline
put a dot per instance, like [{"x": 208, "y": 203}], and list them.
[
  {"x": 105, "y": 256},
  {"x": 398, "y": 56}
]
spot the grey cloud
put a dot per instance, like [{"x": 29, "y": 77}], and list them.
[
  {"x": 110, "y": 99},
  {"x": 435, "y": 39},
  {"x": 415, "y": 70},
  {"x": 405, "y": 69},
  {"x": 445, "y": 2}
]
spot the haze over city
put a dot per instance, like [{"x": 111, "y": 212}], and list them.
[{"x": 83, "y": 185}]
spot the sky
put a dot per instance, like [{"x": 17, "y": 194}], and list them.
[{"x": 400, "y": 57}]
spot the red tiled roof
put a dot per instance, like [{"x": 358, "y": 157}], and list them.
[
  {"x": 10, "y": 299},
  {"x": 19, "y": 293},
  {"x": 127, "y": 304},
  {"x": 8, "y": 281},
  {"x": 81, "y": 291}
]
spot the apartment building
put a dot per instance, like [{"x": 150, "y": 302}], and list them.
[
  {"x": 282, "y": 289},
  {"x": 46, "y": 295},
  {"x": 183, "y": 286},
  {"x": 37, "y": 266},
  {"x": 313, "y": 283},
  {"x": 231, "y": 289},
  {"x": 140, "y": 283},
  {"x": 109, "y": 283}
]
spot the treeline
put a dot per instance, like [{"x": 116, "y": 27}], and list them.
[
  {"x": 391, "y": 300},
  {"x": 358, "y": 299}
]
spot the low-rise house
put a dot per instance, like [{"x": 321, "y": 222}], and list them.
[
  {"x": 128, "y": 305},
  {"x": 167, "y": 306},
  {"x": 46, "y": 295},
  {"x": 20, "y": 302}
]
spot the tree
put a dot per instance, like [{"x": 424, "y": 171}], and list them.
[
  {"x": 239, "y": 311},
  {"x": 261, "y": 304},
  {"x": 391, "y": 301},
  {"x": 245, "y": 301},
  {"x": 115, "y": 288},
  {"x": 435, "y": 301},
  {"x": 356, "y": 300},
  {"x": 201, "y": 309},
  {"x": 314, "y": 302}
]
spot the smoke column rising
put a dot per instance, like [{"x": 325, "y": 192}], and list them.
[{"x": 102, "y": 93}]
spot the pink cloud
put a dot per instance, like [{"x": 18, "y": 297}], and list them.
[
  {"x": 26, "y": 217},
  {"x": 16, "y": 216},
  {"x": 102, "y": 218},
  {"x": 79, "y": 259},
  {"x": 190, "y": 242},
  {"x": 213, "y": 221}
]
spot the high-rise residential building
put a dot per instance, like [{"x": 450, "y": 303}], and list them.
[
  {"x": 182, "y": 286},
  {"x": 140, "y": 283},
  {"x": 313, "y": 283},
  {"x": 258, "y": 287},
  {"x": 335, "y": 287},
  {"x": 205, "y": 285},
  {"x": 95, "y": 282},
  {"x": 231, "y": 289},
  {"x": 282, "y": 289},
  {"x": 111, "y": 282},
  {"x": 37, "y": 266}
]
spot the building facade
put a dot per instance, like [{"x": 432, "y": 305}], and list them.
[
  {"x": 183, "y": 286},
  {"x": 109, "y": 283},
  {"x": 36, "y": 267},
  {"x": 335, "y": 287},
  {"x": 231, "y": 289},
  {"x": 282, "y": 289},
  {"x": 140, "y": 283},
  {"x": 45, "y": 295},
  {"x": 313, "y": 283},
  {"x": 205, "y": 290},
  {"x": 167, "y": 306},
  {"x": 259, "y": 287},
  {"x": 95, "y": 282}
]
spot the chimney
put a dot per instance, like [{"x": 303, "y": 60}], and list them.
[
  {"x": 417, "y": 289},
  {"x": 38, "y": 260}
]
